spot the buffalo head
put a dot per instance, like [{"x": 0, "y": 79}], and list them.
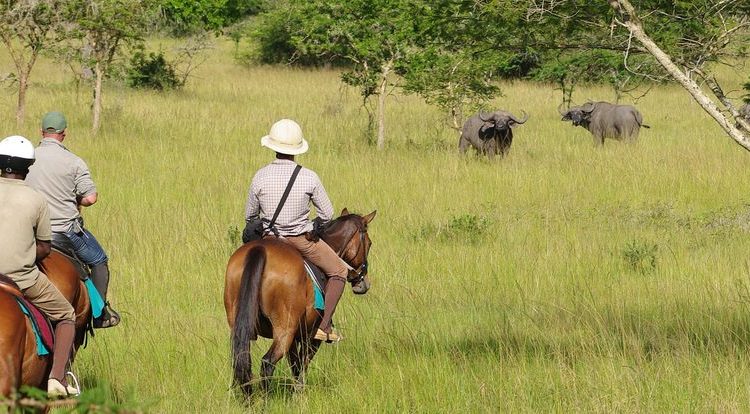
[
  {"x": 580, "y": 115},
  {"x": 501, "y": 120}
]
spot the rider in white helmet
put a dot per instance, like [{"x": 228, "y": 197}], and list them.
[{"x": 25, "y": 226}]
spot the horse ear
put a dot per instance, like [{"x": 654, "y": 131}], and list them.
[
  {"x": 368, "y": 218},
  {"x": 345, "y": 212}
]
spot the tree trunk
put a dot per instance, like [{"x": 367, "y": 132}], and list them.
[
  {"x": 382, "y": 90},
  {"x": 23, "y": 85},
  {"x": 97, "y": 110},
  {"x": 632, "y": 22}
]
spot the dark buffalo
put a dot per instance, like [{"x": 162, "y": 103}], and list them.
[
  {"x": 606, "y": 120},
  {"x": 744, "y": 114},
  {"x": 489, "y": 134}
]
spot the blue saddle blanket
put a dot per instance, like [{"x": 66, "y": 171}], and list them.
[
  {"x": 97, "y": 303},
  {"x": 41, "y": 348},
  {"x": 317, "y": 279}
]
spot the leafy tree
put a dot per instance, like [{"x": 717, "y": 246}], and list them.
[
  {"x": 371, "y": 36},
  {"x": 684, "y": 40},
  {"x": 187, "y": 17},
  {"x": 27, "y": 27},
  {"x": 106, "y": 26}
]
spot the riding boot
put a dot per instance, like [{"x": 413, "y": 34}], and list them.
[
  {"x": 334, "y": 289},
  {"x": 100, "y": 278},
  {"x": 64, "y": 334}
]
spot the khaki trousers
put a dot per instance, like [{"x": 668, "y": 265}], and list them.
[
  {"x": 49, "y": 300},
  {"x": 320, "y": 254}
]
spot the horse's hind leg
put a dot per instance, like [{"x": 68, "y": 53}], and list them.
[{"x": 280, "y": 347}]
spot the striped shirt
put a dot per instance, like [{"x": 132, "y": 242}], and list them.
[{"x": 268, "y": 186}]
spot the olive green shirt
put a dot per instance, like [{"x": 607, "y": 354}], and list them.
[
  {"x": 24, "y": 219},
  {"x": 62, "y": 177}
]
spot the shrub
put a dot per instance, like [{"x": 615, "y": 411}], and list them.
[
  {"x": 640, "y": 256},
  {"x": 152, "y": 72}
]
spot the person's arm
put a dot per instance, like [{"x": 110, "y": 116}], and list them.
[
  {"x": 43, "y": 248},
  {"x": 43, "y": 231},
  {"x": 252, "y": 206},
  {"x": 87, "y": 200},
  {"x": 321, "y": 202},
  {"x": 85, "y": 189}
]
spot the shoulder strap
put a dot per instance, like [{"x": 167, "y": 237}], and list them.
[{"x": 284, "y": 197}]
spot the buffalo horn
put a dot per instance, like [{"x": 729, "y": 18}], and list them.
[{"x": 525, "y": 117}]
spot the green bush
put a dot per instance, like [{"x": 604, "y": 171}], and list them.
[
  {"x": 640, "y": 256},
  {"x": 152, "y": 72}
]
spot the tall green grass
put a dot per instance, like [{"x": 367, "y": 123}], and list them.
[{"x": 563, "y": 278}]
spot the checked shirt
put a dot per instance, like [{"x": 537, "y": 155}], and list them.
[{"x": 267, "y": 188}]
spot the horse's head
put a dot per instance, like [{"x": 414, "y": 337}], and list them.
[{"x": 347, "y": 235}]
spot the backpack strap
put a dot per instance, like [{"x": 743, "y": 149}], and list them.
[{"x": 283, "y": 200}]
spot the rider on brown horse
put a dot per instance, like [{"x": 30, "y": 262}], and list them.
[
  {"x": 65, "y": 180},
  {"x": 25, "y": 226},
  {"x": 292, "y": 224}
]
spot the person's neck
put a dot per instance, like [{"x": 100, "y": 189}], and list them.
[
  {"x": 280, "y": 156},
  {"x": 57, "y": 137},
  {"x": 13, "y": 175}
]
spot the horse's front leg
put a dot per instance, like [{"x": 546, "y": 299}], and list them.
[{"x": 307, "y": 349}]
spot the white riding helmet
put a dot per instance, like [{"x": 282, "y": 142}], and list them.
[
  {"x": 285, "y": 137},
  {"x": 16, "y": 154}
]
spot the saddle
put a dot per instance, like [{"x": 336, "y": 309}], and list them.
[
  {"x": 45, "y": 338},
  {"x": 318, "y": 279},
  {"x": 62, "y": 245}
]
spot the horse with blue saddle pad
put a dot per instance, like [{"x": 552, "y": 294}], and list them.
[
  {"x": 268, "y": 292},
  {"x": 23, "y": 361}
]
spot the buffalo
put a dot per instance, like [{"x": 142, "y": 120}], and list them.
[
  {"x": 490, "y": 134},
  {"x": 744, "y": 114},
  {"x": 606, "y": 120}
]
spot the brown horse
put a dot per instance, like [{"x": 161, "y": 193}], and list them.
[
  {"x": 19, "y": 362},
  {"x": 268, "y": 293}
]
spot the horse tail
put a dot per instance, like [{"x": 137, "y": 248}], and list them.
[{"x": 246, "y": 320}]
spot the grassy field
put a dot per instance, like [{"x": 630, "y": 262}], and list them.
[{"x": 564, "y": 278}]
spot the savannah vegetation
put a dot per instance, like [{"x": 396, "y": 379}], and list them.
[{"x": 561, "y": 278}]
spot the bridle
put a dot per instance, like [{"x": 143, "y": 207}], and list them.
[{"x": 356, "y": 275}]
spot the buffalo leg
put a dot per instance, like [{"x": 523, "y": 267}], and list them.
[{"x": 463, "y": 144}]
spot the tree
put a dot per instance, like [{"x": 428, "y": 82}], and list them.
[
  {"x": 685, "y": 39},
  {"x": 27, "y": 27},
  {"x": 107, "y": 26},
  {"x": 190, "y": 17},
  {"x": 372, "y": 37},
  {"x": 734, "y": 17}
]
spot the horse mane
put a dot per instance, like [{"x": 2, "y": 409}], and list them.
[{"x": 339, "y": 223}]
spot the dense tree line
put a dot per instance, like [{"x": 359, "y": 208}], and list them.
[
  {"x": 453, "y": 52},
  {"x": 450, "y": 52}
]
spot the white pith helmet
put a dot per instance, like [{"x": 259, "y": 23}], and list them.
[
  {"x": 285, "y": 137},
  {"x": 16, "y": 153}
]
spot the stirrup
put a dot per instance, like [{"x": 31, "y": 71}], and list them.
[
  {"x": 322, "y": 335},
  {"x": 77, "y": 387},
  {"x": 108, "y": 319}
]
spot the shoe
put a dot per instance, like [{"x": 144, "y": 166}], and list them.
[
  {"x": 55, "y": 389},
  {"x": 108, "y": 319},
  {"x": 322, "y": 335}
]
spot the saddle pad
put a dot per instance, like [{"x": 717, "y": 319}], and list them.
[
  {"x": 45, "y": 338},
  {"x": 97, "y": 303},
  {"x": 319, "y": 282}
]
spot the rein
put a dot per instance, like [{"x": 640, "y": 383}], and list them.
[{"x": 361, "y": 271}]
